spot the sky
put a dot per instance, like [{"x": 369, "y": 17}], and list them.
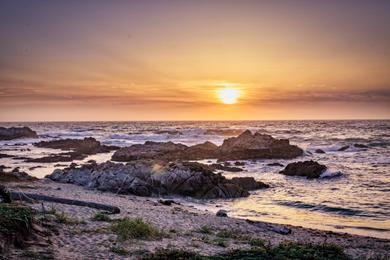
[{"x": 167, "y": 60}]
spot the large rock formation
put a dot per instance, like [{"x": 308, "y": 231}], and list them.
[
  {"x": 245, "y": 146},
  {"x": 147, "y": 178},
  {"x": 165, "y": 151},
  {"x": 16, "y": 132},
  {"x": 309, "y": 169},
  {"x": 79, "y": 149},
  {"x": 257, "y": 146}
]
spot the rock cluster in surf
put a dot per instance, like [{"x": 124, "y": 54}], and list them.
[
  {"x": 79, "y": 149},
  {"x": 243, "y": 147},
  {"x": 16, "y": 132}
]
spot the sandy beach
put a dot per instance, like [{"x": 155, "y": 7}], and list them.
[{"x": 183, "y": 228}]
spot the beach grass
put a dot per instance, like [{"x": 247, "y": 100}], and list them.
[{"x": 134, "y": 229}]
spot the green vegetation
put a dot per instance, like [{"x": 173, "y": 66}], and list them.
[
  {"x": 119, "y": 250},
  {"x": 134, "y": 228},
  {"x": 284, "y": 251},
  {"x": 228, "y": 234},
  {"x": 101, "y": 216},
  {"x": 205, "y": 230},
  {"x": 257, "y": 242},
  {"x": 14, "y": 218}
]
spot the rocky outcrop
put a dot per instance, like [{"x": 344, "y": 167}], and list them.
[
  {"x": 309, "y": 169},
  {"x": 245, "y": 146},
  {"x": 165, "y": 151},
  {"x": 148, "y": 178},
  {"x": 79, "y": 149},
  {"x": 14, "y": 176},
  {"x": 16, "y": 132},
  {"x": 257, "y": 146}
]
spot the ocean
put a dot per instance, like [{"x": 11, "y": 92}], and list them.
[{"x": 358, "y": 202}]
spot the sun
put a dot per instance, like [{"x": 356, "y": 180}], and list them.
[{"x": 228, "y": 95}]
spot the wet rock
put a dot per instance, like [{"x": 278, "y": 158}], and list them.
[
  {"x": 360, "y": 146},
  {"x": 79, "y": 149},
  {"x": 148, "y": 150},
  {"x": 222, "y": 213},
  {"x": 275, "y": 164},
  {"x": 239, "y": 163},
  {"x": 309, "y": 169},
  {"x": 152, "y": 178},
  {"x": 217, "y": 166},
  {"x": 245, "y": 146},
  {"x": 169, "y": 132},
  {"x": 319, "y": 151},
  {"x": 16, "y": 132},
  {"x": 257, "y": 146},
  {"x": 3, "y": 155},
  {"x": 249, "y": 183},
  {"x": 345, "y": 147}
]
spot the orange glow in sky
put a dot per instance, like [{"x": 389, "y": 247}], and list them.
[{"x": 194, "y": 60}]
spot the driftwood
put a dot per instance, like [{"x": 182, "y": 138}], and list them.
[{"x": 32, "y": 197}]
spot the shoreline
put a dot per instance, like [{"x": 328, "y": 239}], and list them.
[{"x": 181, "y": 222}]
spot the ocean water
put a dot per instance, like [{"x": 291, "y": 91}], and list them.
[{"x": 358, "y": 202}]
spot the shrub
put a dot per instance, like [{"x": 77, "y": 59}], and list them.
[
  {"x": 133, "y": 228},
  {"x": 101, "y": 216}
]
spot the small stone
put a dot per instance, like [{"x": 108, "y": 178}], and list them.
[{"x": 221, "y": 213}]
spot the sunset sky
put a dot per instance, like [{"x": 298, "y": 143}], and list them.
[{"x": 169, "y": 60}]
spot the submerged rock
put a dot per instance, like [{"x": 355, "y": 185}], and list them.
[
  {"x": 148, "y": 178},
  {"x": 275, "y": 164},
  {"x": 309, "y": 169},
  {"x": 16, "y": 132},
  {"x": 80, "y": 149},
  {"x": 319, "y": 151},
  {"x": 244, "y": 147},
  {"x": 217, "y": 166},
  {"x": 360, "y": 146}
]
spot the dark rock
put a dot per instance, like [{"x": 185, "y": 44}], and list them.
[
  {"x": 245, "y": 146},
  {"x": 239, "y": 163},
  {"x": 167, "y": 202},
  {"x": 249, "y": 183},
  {"x": 222, "y": 213},
  {"x": 169, "y": 132},
  {"x": 343, "y": 148},
  {"x": 80, "y": 149},
  {"x": 35, "y": 167},
  {"x": 3, "y": 155},
  {"x": 309, "y": 169},
  {"x": 275, "y": 164},
  {"x": 360, "y": 146},
  {"x": 217, "y": 166},
  {"x": 257, "y": 146},
  {"x": 148, "y": 150},
  {"x": 319, "y": 151},
  {"x": 147, "y": 178},
  {"x": 15, "y": 176},
  {"x": 16, "y": 132}
]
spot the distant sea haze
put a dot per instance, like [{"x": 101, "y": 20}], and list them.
[{"x": 357, "y": 202}]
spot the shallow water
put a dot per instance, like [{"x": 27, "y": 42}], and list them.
[{"x": 358, "y": 202}]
